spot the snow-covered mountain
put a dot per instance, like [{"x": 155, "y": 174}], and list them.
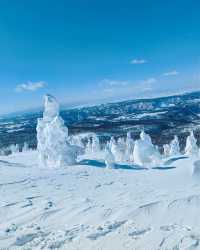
[
  {"x": 122, "y": 194},
  {"x": 161, "y": 117}
]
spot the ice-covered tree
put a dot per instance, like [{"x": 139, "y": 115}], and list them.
[
  {"x": 145, "y": 137},
  {"x": 121, "y": 148},
  {"x": 145, "y": 153},
  {"x": 109, "y": 158},
  {"x": 166, "y": 150},
  {"x": 174, "y": 147},
  {"x": 95, "y": 146},
  {"x": 129, "y": 147},
  {"x": 118, "y": 149},
  {"x": 77, "y": 140},
  {"x": 25, "y": 147},
  {"x": 191, "y": 145},
  {"x": 52, "y": 137},
  {"x": 88, "y": 147},
  {"x": 14, "y": 148}
]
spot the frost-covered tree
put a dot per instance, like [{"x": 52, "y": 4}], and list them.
[
  {"x": 77, "y": 140},
  {"x": 14, "y": 148},
  {"x": 166, "y": 149},
  {"x": 129, "y": 147},
  {"x": 121, "y": 149},
  {"x": 109, "y": 158},
  {"x": 191, "y": 145},
  {"x": 95, "y": 146},
  {"x": 118, "y": 149},
  {"x": 145, "y": 137},
  {"x": 88, "y": 148},
  {"x": 174, "y": 147},
  {"x": 145, "y": 153},
  {"x": 2, "y": 152},
  {"x": 25, "y": 147},
  {"x": 52, "y": 137}
]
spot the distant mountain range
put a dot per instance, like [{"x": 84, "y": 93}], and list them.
[{"x": 161, "y": 117}]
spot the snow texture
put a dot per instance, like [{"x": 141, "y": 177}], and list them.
[{"x": 87, "y": 207}]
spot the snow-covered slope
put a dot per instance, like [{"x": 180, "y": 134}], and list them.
[{"x": 87, "y": 206}]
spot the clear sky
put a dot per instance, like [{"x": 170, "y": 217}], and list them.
[{"x": 88, "y": 51}]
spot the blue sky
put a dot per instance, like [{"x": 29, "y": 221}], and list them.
[{"x": 91, "y": 51}]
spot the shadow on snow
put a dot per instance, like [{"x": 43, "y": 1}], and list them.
[{"x": 100, "y": 164}]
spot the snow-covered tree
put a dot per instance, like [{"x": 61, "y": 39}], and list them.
[
  {"x": 121, "y": 149},
  {"x": 166, "y": 149},
  {"x": 25, "y": 147},
  {"x": 14, "y": 148},
  {"x": 53, "y": 147},
  {"x": 191, "y": 145},
  {"x": 77, "y": 140},
  {"x": 109, "y": 158},
  {"x": 174, "y": 147},
  {"x": 145, "y": 137},
  {"x": 117, "y": 148},
  {"x": 95, "y": 146},
  {"x": 129, "y": 147},
  {"x": 88, "y": 148},
  {"x": 2, "y": 152},
  {"x": 145, "y": 153}
]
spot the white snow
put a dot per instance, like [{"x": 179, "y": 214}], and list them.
[{"x": 89, "y": 207}]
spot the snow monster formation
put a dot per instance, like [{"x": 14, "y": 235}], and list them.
[
  {"x": 174, "y": 147},
  {"x": 52, "y": 137},
  {"x": 145, "y": 153},
  {"x": 191, "y": 148}
]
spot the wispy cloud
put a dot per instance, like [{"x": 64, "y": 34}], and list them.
[
  {"x": 109, "y": 82},
  {"x": 149, "y": 81},
  {"x": 30, "y": 86},
  {"x": 171, "y": 73},
  {"x": 116, "y": 88},
  {"x": 138, "y": 61}
]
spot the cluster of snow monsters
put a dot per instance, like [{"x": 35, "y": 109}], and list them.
[
  {"x": 14, "y": 148},
  {"x": 56, "y": 148}
]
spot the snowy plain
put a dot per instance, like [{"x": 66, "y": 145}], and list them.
[{"x": 88, "y": 206}]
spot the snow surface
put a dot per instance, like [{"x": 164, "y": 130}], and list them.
[{"x": 90, "y": 207}]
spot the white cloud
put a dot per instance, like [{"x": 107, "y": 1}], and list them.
[
  {"x": 138, "y": 61},
  {"x": 120, "y": 88},
  {"x": 149, "y": 81},
  {"x": 30, "y": 86},
  {"x": 171, "y": 73},
  {"x": 109, "y": 82}
]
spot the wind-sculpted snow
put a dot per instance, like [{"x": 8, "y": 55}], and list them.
[{"x": 90, "y": 207}]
